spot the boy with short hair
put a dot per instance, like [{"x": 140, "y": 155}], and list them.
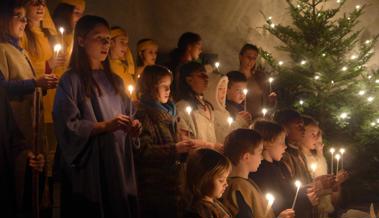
[
  {"x": 235, "y": 97},
  {"x": 243, "y": 197}
]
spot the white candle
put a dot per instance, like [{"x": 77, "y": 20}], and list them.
[
  {"x": 57, "y": 49},
  {"x": 264, "y": 112},
  {"x": 189, "y": 110},
  {"x": 332, "y": 150},
  {"x": 338, "y": 156},
  {"x": 270, "y": 80},
  {"x": 342, "y": 151},
  {"x": 61, "y": 30},
  {"x": 230, "y": 121},
  {"x": 131, "y": 89},
  {"x": 245, "y": 91},
  {"x": 270, "y": 201},
  {"x": 298, "y": 185},
  {"x": 314, "y": 168}
]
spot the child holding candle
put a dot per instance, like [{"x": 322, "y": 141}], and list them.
[
  {"x": 243, "y": 197},
  {"x": 199, "y": 124},
  {"x": 235, "y": 98},
  {"x": 260, "y": 95},
  {"x": 272, "y": 176},
  {"x": 120, "y": 57},
  {"x": 160, "y": 156},
  {"x": 216, "y": 94},
  {"x": 205, "y": 181},
  {"x": 312, "y": 147},
  {"x": 147, "y": 52},
  {"x": 93, "y": 130}
]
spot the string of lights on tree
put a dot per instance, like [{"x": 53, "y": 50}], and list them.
[{"x": 327, "y": 71}]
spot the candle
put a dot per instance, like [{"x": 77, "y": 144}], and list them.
[
  {"x": 131, "y": 89},
  {"x": 189, "y": 110},
  {"x": 342, "y": 151},
  {"x": 314, "y": 168},
  {"x": 230, "y": 121},
  {"x": 298, "y": 185},
  {"x": 264, "y": 112},
  {"x": 57, "y": 49},
  {"x": 217, "y": 64},
  {"x": 332, "y": 150},
  {"x": 61, "y": 30},
  {"x": 338, "y": 156},
  {"x": 270, "y": 201},
  {"x": 245, "y": 91},
  {"x": 270, "y": 80}
]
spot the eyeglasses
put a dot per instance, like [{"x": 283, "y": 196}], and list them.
[{"x": 21, "y": 18}]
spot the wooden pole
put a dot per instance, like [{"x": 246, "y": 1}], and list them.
[{"x": 35, "y": 149}]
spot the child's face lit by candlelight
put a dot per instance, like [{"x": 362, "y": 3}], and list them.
[
  {"x": 164, "y": 89},
  {"x": 219, "y": 184}
]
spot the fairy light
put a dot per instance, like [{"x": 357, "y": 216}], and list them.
[
  {"x": 301, "y": 102},
  {"x": 357, "y": 7},
  {"x": 344, "y": 68},
  {"x": 303, "y": 62},
  {"x": 280, "y": 63},
  {"x": 362, "y": 92},
  {"x": 353, "y": 57},
  {"x": 370, "y": 99},
  {"x": 317, "y": 77}
]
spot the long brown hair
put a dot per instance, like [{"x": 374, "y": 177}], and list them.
[
  {"x": 148, "y": 83},
  {"x": 79, "y": 62}
]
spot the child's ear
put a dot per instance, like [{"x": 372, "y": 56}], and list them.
[
  {"x": 245, "y": 156},
  {"x": 81, "y": 41}
]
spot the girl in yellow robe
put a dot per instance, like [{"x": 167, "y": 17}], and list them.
[
  {"x": 121, "y": 59},
  {"x": 147, "y": 52}
]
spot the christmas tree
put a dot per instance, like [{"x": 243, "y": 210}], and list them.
[{"x": 327, "y": 77}]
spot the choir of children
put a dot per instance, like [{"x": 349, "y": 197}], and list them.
[{"x": 126, "y": 148}]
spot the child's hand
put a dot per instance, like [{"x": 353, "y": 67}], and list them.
[
  {"x": 342, "y": 176},
  {"x": 312, "y": 196},
  {"x": 135, "y": 128},
  {"x": 36, "y": 162},
  {"x": 288, "y": 213},
  {"x": 272, "y": 98},
  {"x": 184, "y": 146},
  {"x": 244, "y": 115},
  {"x": 57, "y": 61},
  {"x": 47, "y": 81},
  {"x": 325, "y": 181}
]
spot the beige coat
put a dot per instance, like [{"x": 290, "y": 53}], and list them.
[
  {"x": 222, "y": 127},
  {"x": 196, "y": 123}
]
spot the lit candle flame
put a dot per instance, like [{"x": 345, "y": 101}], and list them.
[
  {"x": 342, "y": 150},
  {"x": 332, "y": 150},
  {"x": 217, "y": 64},
  {"x": 297, "y": 184},
  {"x": 314, "y": 167},
  {"x": 264, "y": 111},
  {"x": 130, "y": 89},
  {"x": 61, "y": 30},
  {"x": 230, "y": 121},
  {"x": 189, "y": 110},
  {"x": 57, "y": 48},
  {"x": 245, "y": 91},
  {"x": 270, "y": 198},
  {"x": 270, "y": 80},
  {"x": 338, "y": 156}
]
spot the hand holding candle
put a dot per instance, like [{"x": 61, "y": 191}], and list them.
[{"x": 298, "y": 185}]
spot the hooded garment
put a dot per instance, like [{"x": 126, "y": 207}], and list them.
[{"x": 222, "y": 126}]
